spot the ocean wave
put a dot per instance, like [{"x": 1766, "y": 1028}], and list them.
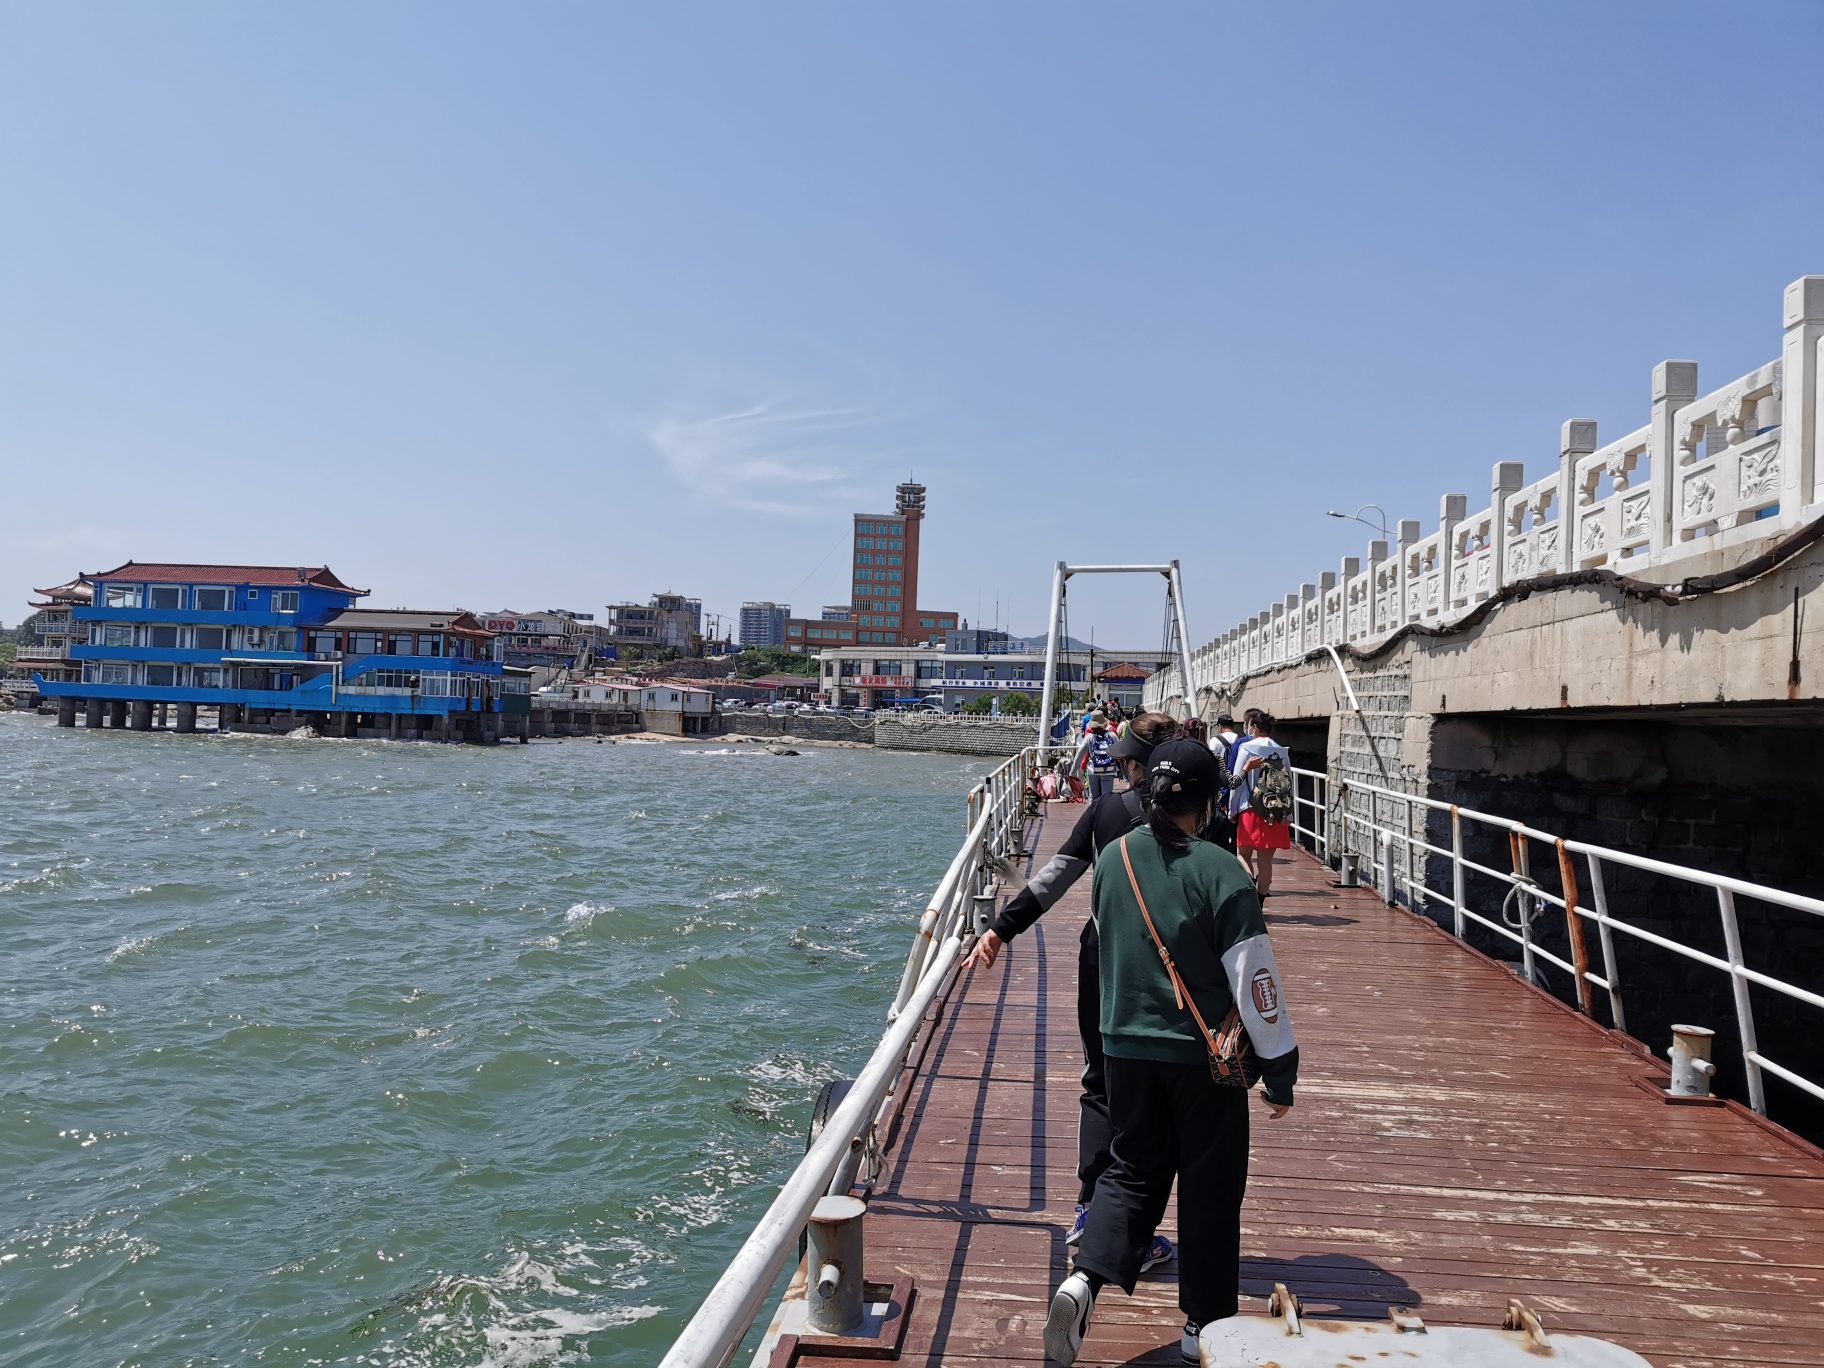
[
  {"x": 135, "y": 945},
  {"x": 501, "y": 1321}
]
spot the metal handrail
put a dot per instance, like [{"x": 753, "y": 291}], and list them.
[
  {"x": 995, "y": 815},
  {"x": 1418, "y": 893}
]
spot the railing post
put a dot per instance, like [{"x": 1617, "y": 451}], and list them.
[
  {"x": 1674, "y": 384},
  {"x": 1609, "y": 969},
  {"x": 1799, "y": 371},
  {"x": 1509, "y": 478},
  {"x": 1573, "y": 921},
  {"x": 1576, "y": 438},
  {"x": 1456, "y": 866},
  {"x": 1517, "y": 854},
  {"x": 1744, "y": 1009},
  {"x": 1386, "y": 840}
]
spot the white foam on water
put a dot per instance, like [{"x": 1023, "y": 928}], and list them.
[
  {"x": 582, "y": 914},
  {"x": 134, "y": 946},
  {"x": 540, "y": 1336}
]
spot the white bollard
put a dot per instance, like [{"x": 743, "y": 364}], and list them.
[{"x": 1691, "y": 1066}]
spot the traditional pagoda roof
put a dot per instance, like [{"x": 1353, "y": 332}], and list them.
[
  {"x": 1122, "y": 670},
  {"x": 280, "y": 576},
  {"x": 78, "y": 590}
]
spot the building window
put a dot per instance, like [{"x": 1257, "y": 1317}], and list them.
[
  {"x": 206, "y": 677},
  {"x": 892, "y": 575},
  {"x": 324, "y": 643},
  {"x": 398, "y": 644},
  {"x": 893, "y": 592},
  {"x": 212, "y": 600},
  {"x": 795, "y": 630},
  {"x": 163, "y": 638},
  {"x": 865, "y": 527},
  {"x": 864, "y": 574},
  {"x": 284, "y": 600},
  {"x": 115, "y": 673},
  {"x": 112, "y": 634},
  {"x": 122, "y": 596},
  {"x": 864, "y": 543},
  {"x": 162, "y": 676},
  {"x": 947, "y": 623},
  {"x": 284, "y": 638},
  {"x": 164, "y": 596},
  {"x": 896, "y": 545},
  {"x": 895, "y": 560},
  {"x": 430, "y": 645},
  {"x": 209, "y": 638}
]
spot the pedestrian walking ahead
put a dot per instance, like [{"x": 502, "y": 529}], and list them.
[
  {"x": 1101, "y": 825},
  {"x": 1096, "y": 755},
  {"x": 1261, "y": 802},
  {"x": 1162, "y": 897}
]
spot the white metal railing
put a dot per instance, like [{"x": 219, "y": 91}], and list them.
[
  {"x": 1735, "y": 464},
  {"x": 1396, "y": 822},
  {"x": 851, "y": 1138}
]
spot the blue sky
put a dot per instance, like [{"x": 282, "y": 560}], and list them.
[{"x": 557, "y": 305}]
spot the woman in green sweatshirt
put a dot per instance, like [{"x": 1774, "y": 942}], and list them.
[{"x": 1172, "y": 1118}]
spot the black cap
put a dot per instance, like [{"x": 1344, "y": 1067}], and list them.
[
  {"x": 1225, "y": 721},
  {"x": 1189, "y": 767},
  {"x": 1132, "y": 746}
]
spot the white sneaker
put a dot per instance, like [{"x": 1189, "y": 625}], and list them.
[
  {"x": 1069, "y": 1319},
  {"x": 1187, "y": 1343}
]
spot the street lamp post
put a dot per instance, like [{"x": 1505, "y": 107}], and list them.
[{"x": 1356, "y": 516}]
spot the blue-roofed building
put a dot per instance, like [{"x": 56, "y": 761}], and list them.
[{"x": 275, "y": 648}]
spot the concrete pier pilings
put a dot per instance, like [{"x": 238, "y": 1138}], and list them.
[
  {"x": 139, "y": 715},
  {"x": 186, "y": 718},
  {"x": 117, "y": 712},
  {"x": 93, "y": 711},
  {"x": 66, "y": 712}
]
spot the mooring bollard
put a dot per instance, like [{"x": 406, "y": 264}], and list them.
[
  {"x": 1691, "y": 1066},
  {"x": 834, "y": 1305},
  {"x": 984, "y": 908}
]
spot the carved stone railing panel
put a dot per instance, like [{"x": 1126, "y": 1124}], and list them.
[
  {"x": 1533, "y": 545},
  {"x": 1609, "y": 527},
  {"x": 1728, "y": 446},
  {"x": 1472, "y": 559}
]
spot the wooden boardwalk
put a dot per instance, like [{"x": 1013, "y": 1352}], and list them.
[{"x": 1459, "y": 1138}]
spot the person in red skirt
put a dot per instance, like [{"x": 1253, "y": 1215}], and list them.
[{"x": 1255, "y": 839}]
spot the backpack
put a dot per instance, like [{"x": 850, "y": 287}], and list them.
[
  {"x": 1101, "y": 757},
  {"x": 1272, "y": 795}
]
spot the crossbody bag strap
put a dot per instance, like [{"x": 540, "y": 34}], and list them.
[{"x": 1184, "y": 995}]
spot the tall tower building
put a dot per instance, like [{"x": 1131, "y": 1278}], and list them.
[{"x": 883, "y": 583}]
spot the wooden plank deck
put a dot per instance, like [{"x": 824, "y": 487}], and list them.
[{"x": 1459, "y": 1138}]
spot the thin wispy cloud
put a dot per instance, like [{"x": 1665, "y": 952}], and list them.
[{"x": 770, "y": 457}]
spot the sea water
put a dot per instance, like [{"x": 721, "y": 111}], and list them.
[{"x": 321, "y": 1051}]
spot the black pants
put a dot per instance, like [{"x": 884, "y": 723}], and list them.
[
  {"x": 1172, "y": 1120},
  {"x": 1095, "y": 1132}
]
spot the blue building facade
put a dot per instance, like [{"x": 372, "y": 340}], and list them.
[{"x": 272, "y": 648}]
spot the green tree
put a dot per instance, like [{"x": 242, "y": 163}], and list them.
[
  {"x": 755, "y": 661},
  {"x": 1012, "y": 705}
]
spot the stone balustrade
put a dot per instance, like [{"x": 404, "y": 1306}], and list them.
[{"x": 1706, "y": 472}]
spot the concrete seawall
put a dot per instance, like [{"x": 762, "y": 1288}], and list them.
[
  {"x": 949, "y": 734},
  {"x": 954, "y": 735},
  {"x": 811, "y": 726}
]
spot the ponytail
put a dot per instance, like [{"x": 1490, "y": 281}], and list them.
[{"x": 1163, "y": 807}]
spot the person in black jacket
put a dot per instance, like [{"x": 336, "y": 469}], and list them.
[{"x": 1104, "y": 822}]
